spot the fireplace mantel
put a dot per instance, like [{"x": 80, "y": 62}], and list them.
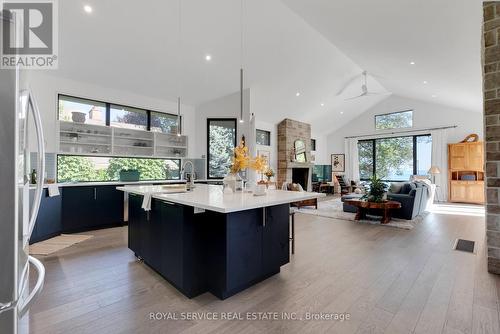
[{"x": 299, "y": 165}]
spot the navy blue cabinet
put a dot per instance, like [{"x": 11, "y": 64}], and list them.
[
  {"x": 136, "y": 220},
  {"x": 209, "y": 251},
  {"x": 275, "y": 238},
  {"x": 169, "y": 239},
  {"x": 77, "y": 208},
  {"x": 48, "y": 222},
  {"x": 244, "y": 232},
  {"x": 255, "y": 243},
  {"x": 109, "y": 206},
  {"x": 87, "y": 207}
]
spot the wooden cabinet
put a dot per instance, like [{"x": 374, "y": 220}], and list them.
[
  {"x": 466, "y": 156},
  {"x": 466, "y": 172},
  {"x": 457, "y": 156},
  {"x": 467, "y": 191},
  {"x": 475, "y": 156}
]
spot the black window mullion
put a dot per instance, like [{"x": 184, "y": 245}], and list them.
[
  {"x": 148, "y": 124},
  {"x": 374, "y": 149},
  {"x": 414, "y": 155},
  {"x": 108, "y": 114}
]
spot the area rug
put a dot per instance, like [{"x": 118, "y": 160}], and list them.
[
  {"x": 333, "y": 209},
  {"x": 55, "y": 244}
]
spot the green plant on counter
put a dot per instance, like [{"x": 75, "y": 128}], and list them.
[{"x": 376, "y": 190}]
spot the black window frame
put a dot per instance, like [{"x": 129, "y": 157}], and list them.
[
  {"x": 108, "y": 111},
  {"x": 393, "y": 113},
  {"x": 137, "y": 110},
  {"x": 374, "y": 152},
  {"x": 208, "y": 140},
  {"x": 112, "y": 157},
  {"x": 313, "y": 145},
  {"x": 268, "y": 134}
]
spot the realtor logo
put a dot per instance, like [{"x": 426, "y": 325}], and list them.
[{"x": 29, "y": 34}]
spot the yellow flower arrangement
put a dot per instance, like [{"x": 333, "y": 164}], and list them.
[{"x": 242, "y": 160}]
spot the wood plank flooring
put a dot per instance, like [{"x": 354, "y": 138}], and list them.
[{"x": 388, "y": 280}]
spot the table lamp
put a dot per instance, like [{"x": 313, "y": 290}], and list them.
[{"x": 433, "y": 171}]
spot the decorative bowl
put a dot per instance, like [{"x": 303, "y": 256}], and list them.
[{"x": 78, "y": 116}]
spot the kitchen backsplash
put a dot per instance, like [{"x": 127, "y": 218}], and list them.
[{"x": 50, "y": 164}]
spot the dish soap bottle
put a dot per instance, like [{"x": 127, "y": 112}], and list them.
[{"x": 33, "y": 176}]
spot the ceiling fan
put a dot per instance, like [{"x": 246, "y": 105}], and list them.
[{"x": 364, "y": 89}]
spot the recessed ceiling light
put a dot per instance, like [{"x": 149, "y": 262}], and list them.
[
  {"x": 87, "y": 9},
  {"x": 208, "y": 57},
  {"x": 297, "y": 94},
  {"x": 322, "y": 104},
  {"x": 412, "y": 63},
  {"x": 341, "y": 112},
  {"x": 425, "y": 82},
  {"x": 434, "y": 95}
]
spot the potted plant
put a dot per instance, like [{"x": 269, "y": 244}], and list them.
[{"x": 375, "y": 191}]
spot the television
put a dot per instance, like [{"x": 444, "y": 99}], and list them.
[{"x": 322, "y": 173}]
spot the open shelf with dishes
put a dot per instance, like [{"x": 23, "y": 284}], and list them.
[
  {"x": 87, "y": 139},
  {"x": 131, "y": 142},
  {"x": 76, "y": 138}
]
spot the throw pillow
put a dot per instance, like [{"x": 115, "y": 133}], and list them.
[
  {"x": 395, "y": 187},
  {"x": 407, "y": 187}
]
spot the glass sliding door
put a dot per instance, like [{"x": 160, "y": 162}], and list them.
[
  {"x": 424, "y": 154},
  {"x": 395, "y": 158},
  {"x": 365, "y": 153}
]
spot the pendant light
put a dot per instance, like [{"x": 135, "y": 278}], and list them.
[
  {"x": 241, "y": 61},
  {"x": 179, "y": 73}
]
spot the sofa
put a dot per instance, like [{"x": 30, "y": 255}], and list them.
[{"x": 413, "y": 197}]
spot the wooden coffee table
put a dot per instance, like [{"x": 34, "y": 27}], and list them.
[{"x": 364, "y": 206}]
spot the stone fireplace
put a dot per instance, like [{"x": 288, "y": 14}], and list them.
[
  {"x": 301, "y": 176},
  {"x": 290, "y": 131}
]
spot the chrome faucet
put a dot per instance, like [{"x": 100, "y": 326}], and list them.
[{"x": 189, "y": 177}]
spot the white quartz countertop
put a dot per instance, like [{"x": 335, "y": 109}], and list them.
[{"x": 211, "y": 197}]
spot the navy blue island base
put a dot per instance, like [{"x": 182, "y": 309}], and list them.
[{"x": 222, "y": 253}]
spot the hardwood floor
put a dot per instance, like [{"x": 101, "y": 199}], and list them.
[{"x": 388, "y": 280}]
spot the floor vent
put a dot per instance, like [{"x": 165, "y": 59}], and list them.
[{"x": 465, "y": 245}]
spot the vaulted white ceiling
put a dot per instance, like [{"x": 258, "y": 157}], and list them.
[
  {"x": 313, "y": 47},
  {"x": 442, "y": 38}
]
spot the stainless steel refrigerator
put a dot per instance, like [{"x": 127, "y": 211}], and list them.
[{"x": 18, "y": 113}]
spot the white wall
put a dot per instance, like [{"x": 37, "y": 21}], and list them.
[
  {"x": 273, "y": 149},
  {"x": 322, "y": 157},
  {"x": 47, "y": 87},
  {"x": 225, "y": 107},
  {"x": 425, "y": 115}
]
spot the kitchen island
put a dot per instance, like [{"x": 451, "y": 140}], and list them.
[{"x": 205, "y": 240}]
